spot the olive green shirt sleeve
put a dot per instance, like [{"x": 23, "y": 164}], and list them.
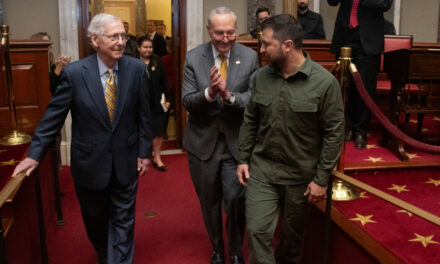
[
  {"x": 248, "y": 132},
  {"x": 332, "y": 129}
]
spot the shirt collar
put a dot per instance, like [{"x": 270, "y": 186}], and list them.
[
  {"x": 103, "y": 68},
  {"x": 215, "y": 52},
  {"x": 305, "y": 68}
]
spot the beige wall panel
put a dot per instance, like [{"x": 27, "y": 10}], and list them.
[
  {"x": 124, "y": 10},
  {"x": 420, "y": 19},
  {"x": 26, "y": 17},
  {"x": 160, "y": 10}
]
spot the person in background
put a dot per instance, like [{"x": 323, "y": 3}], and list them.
[
  {"x": 106, "y": 94},
  {"x": 159, "y": 43},
  {"x": 159, "y": 96},
  {"x": 262, "y": 14},
  {"x": 130, "y": 46},
  {"x": 162, "y": 30},
  {"x": 57, "y": 66},
  {"x": 360, "y": 25},
  {"x": 217, "y": 81},
  {"x": 310, "y": 21},
  {"x": 389, "y": 28},
  {"x": 289, "y": 142}
]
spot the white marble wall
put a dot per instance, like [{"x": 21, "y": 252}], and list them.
[
  {"x": 194, "y": 26},
  {"x": 68, "y": 46}
]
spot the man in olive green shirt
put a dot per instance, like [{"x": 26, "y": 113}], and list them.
[{"x": 289, "y": 141}]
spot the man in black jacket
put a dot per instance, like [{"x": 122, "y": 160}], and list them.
[
  {"x": 360, "y": 25},
  {"x": 310, "y": 21}
]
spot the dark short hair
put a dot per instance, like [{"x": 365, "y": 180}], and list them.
[
  {"x": 285, "y": 27},
  {"x": 261, "y": 10},
  {"x": 143, "y": 39},
  {"x": 40, "y": 35}
]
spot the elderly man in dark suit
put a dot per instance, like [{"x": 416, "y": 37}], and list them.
[
  {"x": 360, "y": 25},
  {"x": 217, "y": 79},
  {"x": 111, "y": 137}
]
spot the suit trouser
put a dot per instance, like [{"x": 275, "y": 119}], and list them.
[
  {"x": 109, "y": 217},
  {"x": 368, "y": 67},
  {"x": 262, "y": 210},
  {"x": 215, "y": 181}
]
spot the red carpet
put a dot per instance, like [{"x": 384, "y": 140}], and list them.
[
  {"x": 176, "y": 235},
  {"x": 409, "y": 237},
  {"x": 376, "y": 155}
]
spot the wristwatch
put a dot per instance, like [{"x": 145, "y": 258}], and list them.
[{"x": 230, "y": 100}]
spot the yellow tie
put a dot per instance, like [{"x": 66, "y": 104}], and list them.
[
  {"x": 110, "y": 93},
  {"x": 223, "y": 66}
]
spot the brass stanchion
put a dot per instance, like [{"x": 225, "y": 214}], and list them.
[
  {"x": 343, "y": 191},
  {"x": 15, "y": 137}
]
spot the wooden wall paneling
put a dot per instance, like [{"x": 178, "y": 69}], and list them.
[
  {"x": 83, "y": 19},
  {"x": 179, "y": 40},
  {"x": 30, "y": 80}
]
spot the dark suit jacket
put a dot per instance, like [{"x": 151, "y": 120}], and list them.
[
  {"x": 99, "y": 146},
  {"x": 158, "y": 84},
  {"x": 312, "y": 25},
  {"x": 204, "y": 117},
  {"x": 371, "y": 24},
  {"x": 159, "y": 45}
]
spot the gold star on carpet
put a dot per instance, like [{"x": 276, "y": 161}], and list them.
[
  {"x": 363, "y": 219},
  {"x": 405, "y": 211},
  {"x": 374, "y": 160},
  {"x": 9, "y": 162},
  {"x": 424, "y": 130},
  {"x": 371, "y": 146},
  {"x": 436, "y": 118},
  {"x": 424, "y": 240},
  {"x": 398, "y": 188},
  {"x": 3, "y": 150},
  {"x": 363, "y": 195},
  {"x": 432, "y": 181},
  {"x": 412, "y": 155},
  {"x": 413, "y": 121}
]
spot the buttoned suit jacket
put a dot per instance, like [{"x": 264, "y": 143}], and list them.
[
  {"x": 204, "y": 117},
  {"x": 371, "y": 24},
  {"x": 99, "y": 147}
]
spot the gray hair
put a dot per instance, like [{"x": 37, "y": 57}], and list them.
[
  {"x": 220, "y": 11},
  {"x": 97, "y": 25}
]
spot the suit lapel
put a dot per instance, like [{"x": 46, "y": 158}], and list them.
[
  {"x": 121, "y": 94},
  {"x": 208, "y": 60},
  {"x": 92, "y": 80},
  {"x": 233, "y": 67}
]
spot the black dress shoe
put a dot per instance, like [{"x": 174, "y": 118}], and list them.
[
  {"x": 360, "y": 141},
  {"x": 216, "y": 258},
  {"x": 161, "y": 168},
  {"x": 237, "y": 260},
  {"x": 349, "y": 136}
]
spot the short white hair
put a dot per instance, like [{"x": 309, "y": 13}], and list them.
[
  {"x": 222, "y": 10},
  {"x": 97, "y": 25}
]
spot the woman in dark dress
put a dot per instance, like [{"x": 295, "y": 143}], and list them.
[{"x": 158, "y": 90}]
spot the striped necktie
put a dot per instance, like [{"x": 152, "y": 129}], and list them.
[
  {"x": 110, "y": 93},
  {"x": 223, "y": 66}
]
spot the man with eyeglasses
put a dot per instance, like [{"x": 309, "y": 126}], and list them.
[
  {"x": 217, "y": 81},
  {"x": 106, "y": 94}
]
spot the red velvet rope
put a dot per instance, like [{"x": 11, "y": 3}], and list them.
[{"x": 390, "y": 127}]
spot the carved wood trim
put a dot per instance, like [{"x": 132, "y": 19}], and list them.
[{"x": 290, "y": 7}]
